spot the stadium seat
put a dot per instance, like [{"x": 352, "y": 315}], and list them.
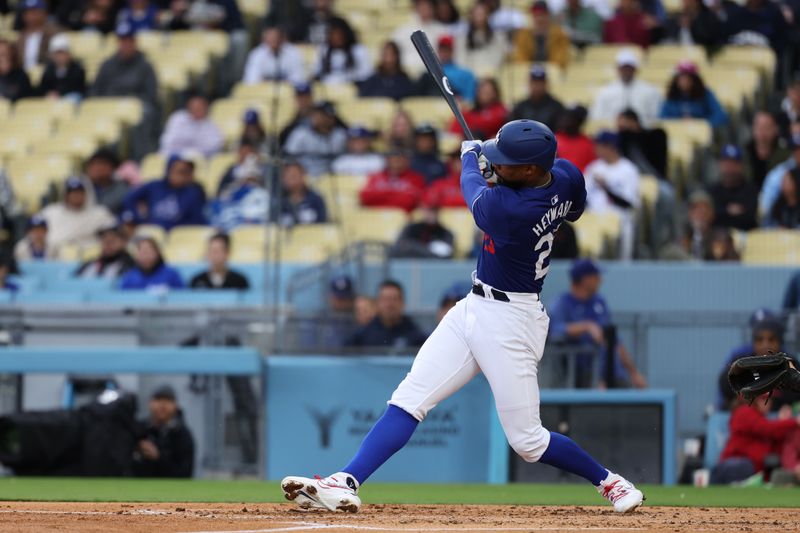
[
  {"x": 336, "y": 92},
  {"x": 597, "y": 233},
  {"x": 104, "y": 129},
  {"x": 648, "y": 190},
  {"x": 263, "y": 91},
  {"x": 79, "y": 253},
  {"x": 373, "y": 113},
  {"x": 578, "y": 94},
  {"x": 724, "y": 79},
  {"x": 772, "y": 247},
  {"x": 298, "y": 252},
  {"x": 430, "y": 109},
  {"x": 597, "y": 75},
  {"x": 367, "y": 224},
  {"x": 217, "y": 167},
  {"x": 207, "y": 42},
  {"x": 606, "y": 54},
  {"x": 13, "y": 145},
  {"x": 737, "y": 57},
  {"x": 151, "y": 230},
  {"x": 172, "y": 73},
  {"x": 459, "y": 221},
  {"x": 697, "y": 130},
  {"x": 194, "y": 61},
  {"x": 32, "y": 176},
  {"x": 5, "y": 109},
  {"x": 187, "y": 244},
  {"x": 670, "y": 55},
  {"x": 128, "y": 110},
  {"x": 152, "y": 42},
  {"x": 153, "y": 166},
  {"x": 328, "y": 238},
  {"x": 85, "y": 43}
]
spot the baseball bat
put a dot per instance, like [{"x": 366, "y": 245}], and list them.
[{"x": 431, "y": 62}]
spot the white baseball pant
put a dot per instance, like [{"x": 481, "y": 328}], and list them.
[{"x": 505, "y": 341}]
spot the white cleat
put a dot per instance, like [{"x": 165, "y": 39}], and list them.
[
  {"x": 621, "y": 493},
  {"x": 338, "y": 492}
]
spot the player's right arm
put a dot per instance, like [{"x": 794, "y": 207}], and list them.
[{"x": 479, "y": 197}]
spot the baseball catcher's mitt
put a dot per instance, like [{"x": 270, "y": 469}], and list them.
[{"x": 753, "y": 376}]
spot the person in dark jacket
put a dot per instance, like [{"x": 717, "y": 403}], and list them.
[
  {"x": 150, "y": 271},
  {"x": 735, "y": 199},
  {"x": 695, "y": 24},
  {"x": 426, "y": 159},
  {"x": 14, "y": 82},
  {"x": 389, "y": 79},
  {"x": 109, "y": 190},
  {"x": 218, "y": 275},
  {"x": 785, "y": 213},
  {"x": 689, "y": 97},
  {"x": 426, "y": 238},
  {"x": 114, "y": 259},
  {"x": 63, "y": 76},
  {"x": 167, "y": 446},
  {"x": 390, "y": 328},
  {"x": 646, "y": 148},
  {"x": 127, "y": 72},
  {"x": 540, "y": 104},
  {"x": 173, "y": 201},
  {"x": 299, "y": 203}
]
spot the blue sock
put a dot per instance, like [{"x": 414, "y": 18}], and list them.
[
  {"x": 563, "y": 453},
  {"x": 390, "y": 433}
]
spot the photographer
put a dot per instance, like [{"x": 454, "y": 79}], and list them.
[{"x": 167, "y": 447}]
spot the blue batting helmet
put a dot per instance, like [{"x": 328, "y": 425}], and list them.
[{"x": 522, "y": 142}]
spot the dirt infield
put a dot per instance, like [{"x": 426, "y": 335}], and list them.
[{"x": 195, "y": 518}]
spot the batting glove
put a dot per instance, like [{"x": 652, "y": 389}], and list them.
[{"x": 471, "y": 147}]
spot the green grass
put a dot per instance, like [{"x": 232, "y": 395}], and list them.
[{"x": 145, "y": 490}]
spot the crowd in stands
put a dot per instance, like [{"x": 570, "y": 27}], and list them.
[{"x": 275, "y": 174}]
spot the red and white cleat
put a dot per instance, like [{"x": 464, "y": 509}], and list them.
[
  {"x": 621, "y": 493},
  {"x": 338, "y": 492}
]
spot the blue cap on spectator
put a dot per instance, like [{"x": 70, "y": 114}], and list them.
[
  {"x": 163, "y": 392},
  {"x": 538, "y": 72},
  {"x": 342, "y": 287},
  {"x": 125, "y": 30},
  {"x": 795, "y": 140},
  {"x": 357, "y": 131},
  {"x": 302, "y": 88},
  {"x": 74, "y": 183},
  {"x": 731, "y": 151},
  {"x": 455, "y": 292},
  {"x": 607, "y": 137},
  {"x": 127, "y": 217},
  {"x": 762, "y": 313},
  {"x": 174, "y": 158},
  {"x": 33, "y": 4},
  {"x": 251, "y": 117},
  {"x": 37, "y": 221},
  {"x": 582, "y": 268},
  {"x": 771, "y": 324}
]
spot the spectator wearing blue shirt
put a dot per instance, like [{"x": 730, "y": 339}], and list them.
[
  {"x": 462, "y": 80},
  {"x": 299, "y": 203},
  {"x": 150, "y": 271},
  {"x": 140, "y": 15},
  {"x": 391, "y": 327},
  {"x": 579, "y": 316},
  {"x": 688, "y": 97},
  {"x": 173, "y": 201}
]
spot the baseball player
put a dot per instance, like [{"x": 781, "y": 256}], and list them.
[{"x": 500, "y": 328}]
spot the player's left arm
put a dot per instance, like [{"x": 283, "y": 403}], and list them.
[
  {"x": 578, "y": 189},
  {"x": 479, "y": 196}
]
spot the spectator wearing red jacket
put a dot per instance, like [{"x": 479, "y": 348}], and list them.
[
  {"x": 629, "y": 25},
  {"x": 396, "y": 186},
  {"x": 446, "y": 192},
  {"x": 488, "y": 114},
  {"x": 753, "y": 437},
  {"x": 572, "y": 143}
]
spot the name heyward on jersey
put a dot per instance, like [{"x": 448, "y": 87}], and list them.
[{"x": 552, "y": 214}]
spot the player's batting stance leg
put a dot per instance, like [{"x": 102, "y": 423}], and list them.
[{"x": 499, "y": 329}]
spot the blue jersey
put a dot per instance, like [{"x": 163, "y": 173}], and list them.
[{"x": 519, "y": 223}]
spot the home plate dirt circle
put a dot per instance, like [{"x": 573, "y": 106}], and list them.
[{"x": 28, "y": 517}]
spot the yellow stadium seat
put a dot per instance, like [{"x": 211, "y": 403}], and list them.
[
  {"x": 597, "y": 233},
  {"x": 326, "y": 237},
  {"x": 31, "y": 127},
  {"x": 103, "y": 129},
  {"x": 5, "y": 109},
  {"x": 726, "y": 80},
  {"x": 152, "y": 42},
  {"x": 76, "y": 147},
  {"x": 737, "y": 57},
  {"x": 658, "y": 75},
  {"x": 33, "y": 175},
  {"x": 672, "y": 54},
  {"x": 293, "y": 252},
  {"x": 85, "y": 43},
  {"x": 366, "y": 224},
  {"x": 772, "y": 246},
  {"x": 264, "y": 91},
  {"x": 153, "y": 167},
  {"x": 172, "y": 73},
  {"x": 217, "y": 167},
  {"x": 128, "y": 110},
  {"x": 374, "y": 113},
  {"x": 209, "y": 42},
  {"x": 78, "y": 252},
  {"x": 577, "y": 94},
  {"x": 13, "y": 145},
  {"x": 592, "y": 127},
  {"x": 648, "y": 190},
  {"x": 459, "y": 220},
  {"x": 591, "y": 75},
  {"x": 227, "y": 114},
  {"x": 152, "y": 231},
  {"x": 336, "y": 92},
  {"x": 606, "y": 54},
  {"x": 429, "y": 109},
  {"x": 514, "y": 79},
  {"x": 698, "y": 131},
  {"x": 254, "y": 8},
  {"x": 194, "y": 61},
  {"x": 187, "y": 244},
  {"x": 35, "y": 73},
  {"x": 340, "y": 193}
]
